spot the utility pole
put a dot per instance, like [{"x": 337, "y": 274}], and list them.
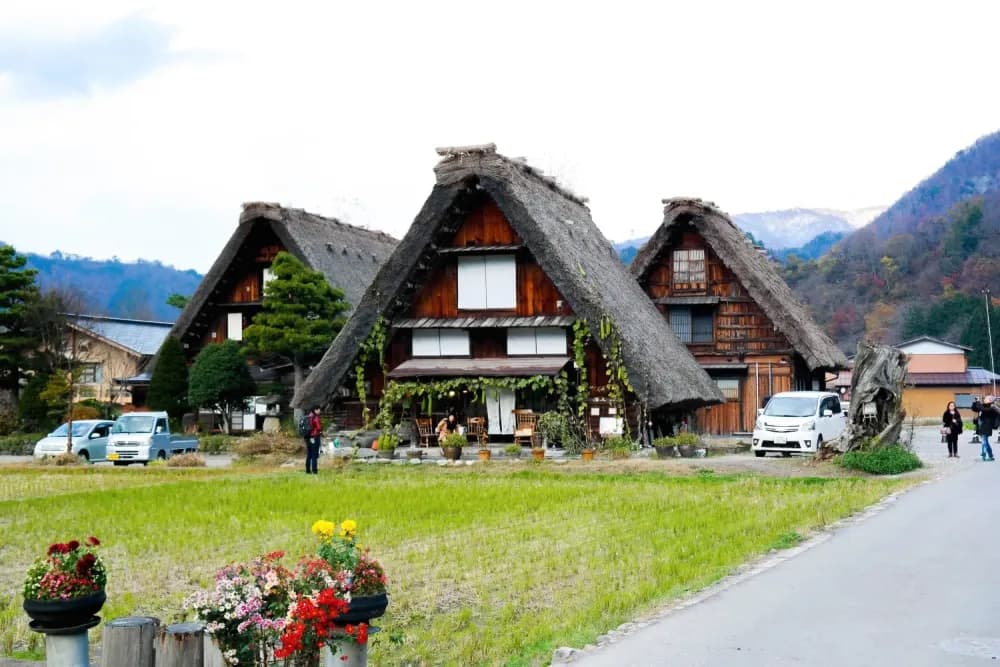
[{"x": 989, "y": 337}]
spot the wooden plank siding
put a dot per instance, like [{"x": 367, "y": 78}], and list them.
[{"x": 743, "y": 338}]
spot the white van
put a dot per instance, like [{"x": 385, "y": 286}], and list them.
[{"x": 798, "y": 421}]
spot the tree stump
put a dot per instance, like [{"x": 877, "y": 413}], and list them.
[
  {"x": 181, "y": 645},
  {"x": 129, "y": 641},
  {"x": 876, "y": 395}
]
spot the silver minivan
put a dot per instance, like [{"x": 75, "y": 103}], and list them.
[
  {"x": 90, "y": 440},
  {"x": 798, "y": 421}
]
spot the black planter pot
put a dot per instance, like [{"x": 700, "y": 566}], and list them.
[
  {"x": 64, "y": 613},
  {"x": 363, "y": 609},
  {"x": 668, "y": 452},
  {"x": 452, "y": 453}
]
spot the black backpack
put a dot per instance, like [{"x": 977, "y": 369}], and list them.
[{"x": 304, "y": 427}]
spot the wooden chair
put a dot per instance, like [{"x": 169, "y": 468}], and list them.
[
  {"x": 524, "y": 426},
  {"x": 475, "y": 431},
  {"x": 425, "y": 429}
]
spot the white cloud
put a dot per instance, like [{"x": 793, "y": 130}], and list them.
[{"x": 337, "y": 108}]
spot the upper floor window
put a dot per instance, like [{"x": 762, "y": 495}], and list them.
[
  {"x": 730, "y": 388},
  {"x": 536, "y": 340},
  {"x": 487, "y": 282},
  {"x": 440, "y": 343},
  {"x": 689, "y": 269},
  {"x": 90, "y": 374},
  {"x": 234, "y": 326},
  {"x": 691, "y": 325}
]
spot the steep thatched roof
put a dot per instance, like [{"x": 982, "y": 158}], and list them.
[
  {"x": 557, "y": 229},
  {"x": 348, "y": 256},
  {"x": 754, "y": 271}
]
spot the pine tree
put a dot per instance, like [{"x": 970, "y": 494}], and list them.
[
  {"x": 168, "y": 387},
  {"x": 301, "y": 315},
  {"x": 17, "y": 289}
]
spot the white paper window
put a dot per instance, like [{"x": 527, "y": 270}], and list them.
[
  {"x": 440, "y": 343},
  {"x": 487, "y": 283},
  {"x": 543, "y": 340},
  {"x": 234, "y": 326},
  {"x": 267, "y": 275}
]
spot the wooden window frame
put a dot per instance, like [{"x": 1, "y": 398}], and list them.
[{"x": 686, "y": 274}]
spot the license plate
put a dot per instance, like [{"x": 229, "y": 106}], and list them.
[
  {"x": 113, "y": 456},
  {"x": 780, "y": 439}
]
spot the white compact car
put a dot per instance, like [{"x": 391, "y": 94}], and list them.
[
  {"x": 798, "y": 421},
  {"x": 90, "y": 439}
]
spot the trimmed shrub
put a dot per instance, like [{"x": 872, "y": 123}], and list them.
[
  {"x": 216, "y": 444},
  {"x": 891, "y": 460},
  {"x": 19, "y": 444},
  {"x": 186, "y": 461}
]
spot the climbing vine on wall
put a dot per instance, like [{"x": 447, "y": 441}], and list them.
[
  {"x": 426, "y": 392},
  {"x": 618, "y": 380},
  {"x": 581, "y": 336},
  {"x": 373, "y": 345}
]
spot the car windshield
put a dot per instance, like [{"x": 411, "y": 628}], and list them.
[
  {"x": 790, "y": 406},
  {"x": 79, "y": 430},
  {"x": 133, "y": 424}
]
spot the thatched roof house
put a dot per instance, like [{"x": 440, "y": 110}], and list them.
[
  {"x": 553, "y": 231},
  {"x": 754, "y": 270},
  {"x": 347, "y": 255},
  {"x": 702, "y": 272}
]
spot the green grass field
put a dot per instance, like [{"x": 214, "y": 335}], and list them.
[{"x": 488, "y": 565}]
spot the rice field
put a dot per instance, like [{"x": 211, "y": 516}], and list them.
[{"x": 489, "y": 565}]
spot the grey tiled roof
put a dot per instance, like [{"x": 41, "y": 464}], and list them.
[{"x": 141, "y": 336}]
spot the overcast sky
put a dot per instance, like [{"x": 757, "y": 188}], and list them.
[{"x": 137, "y": 129}]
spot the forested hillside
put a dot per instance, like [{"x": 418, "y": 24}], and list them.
[
  {"x": 920, "y": 267},
  {"x": 108, "y": 287}
]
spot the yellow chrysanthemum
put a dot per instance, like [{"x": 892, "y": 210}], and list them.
[
  {"x": 323, "y": 529},
  {"x": 348, "y": 528}
]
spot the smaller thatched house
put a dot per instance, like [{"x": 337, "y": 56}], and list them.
[
  {"x": 726, "y": 302},
  {"x": 230, "y": 295},
  {"x": 482, "y": 307}
]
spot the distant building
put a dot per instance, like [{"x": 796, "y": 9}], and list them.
[
  {"x": 108, "y": 350},
  {"x": 938, "y": 372}
]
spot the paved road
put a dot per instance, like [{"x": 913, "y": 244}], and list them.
[{"x": 914, "y": 585}]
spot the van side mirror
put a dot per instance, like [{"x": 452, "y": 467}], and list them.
[
  {"x": 760, "y": 412},
  {"x": 159, "y": 429},
  {"x": 828, "y": 413}
]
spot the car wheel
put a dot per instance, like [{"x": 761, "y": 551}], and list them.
[
  {"x": 161, "y": 456},
  {"x": 786, "y": 455},
  {"x": 83, "y": 457},
  {"x": 819, "y": 444},
  {"x": 759, "y": 455},
  {"x": 120, "y": 463}
]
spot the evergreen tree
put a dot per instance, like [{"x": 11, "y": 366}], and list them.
[
  {"x": 17, "y": 289},
  {"x": 301, "y": 315},
  {"x": 168, "y": 387},
  {"x": 32, "y": 410},
  {"x": 219, "y": 379}
]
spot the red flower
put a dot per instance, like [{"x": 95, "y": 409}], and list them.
[
  {"x": 73, "y": 545},
  {"x": 58, "y": 548},
  {"x": 93, "y": 541},
  {"x": 363, "y": 633},
  {"x": 84, "y": 565}
]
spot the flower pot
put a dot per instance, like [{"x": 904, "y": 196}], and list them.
[
  {"x": 364, "y": 608},
  {"x": 415, "y": 454},
  {"x": 668, "y": 452},
  {"x": 687, "y": 451},
  {"x": 485, "y": 454},
  {"x": 385, "y": 453},
  {"x": 452, "y": 453},
  {"x": 538, "y": 454},
  {"x": 587, "y": 455},
  {"x": 65, "y": 613}
]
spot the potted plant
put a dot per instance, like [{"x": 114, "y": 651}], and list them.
[
  {"x": 687, "y": 443},
  {"x": 554, "y": 428},
  {"x": 619, "y": 447},
  {"x": 451, "y": 446},
  {"x": 666, "y": 447},
  {"x": 387, "y": 444},
  {"x": 485, "y": 454},
  {"x": 513, "y": 450},
  {"x": 245, "y": 611},
  {"x": 65, "y": 588}
]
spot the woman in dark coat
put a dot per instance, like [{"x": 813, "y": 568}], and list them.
[
  {"x": 989, "y": 419},
  {"x": 952, "y": 421}
]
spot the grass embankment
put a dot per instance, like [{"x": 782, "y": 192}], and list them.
[{"x": 493, "y": 565}]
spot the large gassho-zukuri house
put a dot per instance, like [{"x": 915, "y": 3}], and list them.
[
  {"x": 504, "y": 296},
  {"x": 726, "y": 302}
]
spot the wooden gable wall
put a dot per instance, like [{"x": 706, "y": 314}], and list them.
[{"x": 487, "y": 226}]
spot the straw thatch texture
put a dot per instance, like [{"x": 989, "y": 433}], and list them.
[
  {"x": 348, "y": 256},
  {"x": 557, "y": 229},
  {"x": 754, "y": 271}
]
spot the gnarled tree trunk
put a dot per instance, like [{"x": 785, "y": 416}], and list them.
[{"x": 878, "y": 379}]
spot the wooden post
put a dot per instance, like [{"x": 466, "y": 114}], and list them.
[
  {"x": 181, "y": 645},
  {"x": 213, "y": 654},
  {"x": 129, "y": 641}
]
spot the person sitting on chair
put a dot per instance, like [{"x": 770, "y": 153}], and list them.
[{"x": 447, "y": 425}]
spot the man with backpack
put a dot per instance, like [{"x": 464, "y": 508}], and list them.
[
  {"x": 989, "y": 420},
  {"x": 311, "y": 429}
]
